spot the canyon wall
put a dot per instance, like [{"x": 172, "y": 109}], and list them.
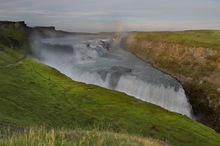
[
  {"x": 197, "y": 68},
  {"x": 9, "y": 24}
]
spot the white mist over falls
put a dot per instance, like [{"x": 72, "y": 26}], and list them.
[{"x": 97, "y": 60}]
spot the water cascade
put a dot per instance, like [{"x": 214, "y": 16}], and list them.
[{"x": 96, "y": 60}]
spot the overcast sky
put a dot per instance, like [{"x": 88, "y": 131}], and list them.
[{"x": 114, "y": 15}]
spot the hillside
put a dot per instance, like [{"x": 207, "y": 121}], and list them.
[
  {"x": 35, "y": 94},
  {"x": 193, "y": 57}
]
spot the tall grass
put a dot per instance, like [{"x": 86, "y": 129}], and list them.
[{"x": 41, "y": 136}]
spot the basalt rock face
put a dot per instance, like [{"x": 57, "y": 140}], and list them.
[
  {"x": 204, "y": 112},
  {"x": 197, "y": 68},
  {"x": 45, "y": 31},
  {"x": 48, "y": 31}
]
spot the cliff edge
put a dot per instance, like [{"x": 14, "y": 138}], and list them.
[{"x": 193, "y": 57}]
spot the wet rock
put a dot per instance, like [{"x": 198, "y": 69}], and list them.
[
  {"x": 202, "y": 110},
  {"x": 121, "y": 69},
  {"x": 116, "y": 74},
  {"x": 103, "y": 74},
  {"x": 66, "y": 49},
  {"x": 105, "y": 44}
]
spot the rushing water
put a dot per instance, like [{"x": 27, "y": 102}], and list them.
[{"x": 97, "y": 60}]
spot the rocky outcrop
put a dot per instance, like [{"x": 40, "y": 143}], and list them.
[
  {"x": 9, "y": 24},
  {"x": 197, "y": 68},
  {"x": 44, "y": 31},
  {"x": 9, "y": 31},
  {"x": 45, "y": 28}
]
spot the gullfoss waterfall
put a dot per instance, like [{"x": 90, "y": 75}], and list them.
[{"x": 97, "y": 60}]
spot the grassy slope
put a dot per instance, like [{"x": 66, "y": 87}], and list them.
[{"x": 35, "y": 94}]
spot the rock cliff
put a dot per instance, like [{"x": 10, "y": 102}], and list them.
[
  {"x": 9, "y": 24},
  {"x": 197, "y": 68}
]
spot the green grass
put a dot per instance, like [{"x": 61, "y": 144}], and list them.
[
  {"x": 32, "y": 93},
  {"x": 194, "y": 38},
  {"x": 45, "y": 136},
  {"x": 8, "y": 55}
]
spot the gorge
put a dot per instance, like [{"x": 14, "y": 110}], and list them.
[{"x": 192, "y": 57}]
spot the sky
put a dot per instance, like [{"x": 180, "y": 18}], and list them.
[{"x": 114, "y": 15}]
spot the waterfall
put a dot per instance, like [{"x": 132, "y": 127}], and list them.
[
  {"x": 98, "y": 61},
  {"x": 165, "y": 97}
]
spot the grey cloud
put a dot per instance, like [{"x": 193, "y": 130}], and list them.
[{"x": 94, "y": 15}]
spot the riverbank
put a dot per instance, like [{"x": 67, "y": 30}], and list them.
[{"x": 193, "y": 57}]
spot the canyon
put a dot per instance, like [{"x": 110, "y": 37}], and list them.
[{"x": 196, "y": 67}]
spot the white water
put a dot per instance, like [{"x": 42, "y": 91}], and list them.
[{"x": 91, "y": 62}]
